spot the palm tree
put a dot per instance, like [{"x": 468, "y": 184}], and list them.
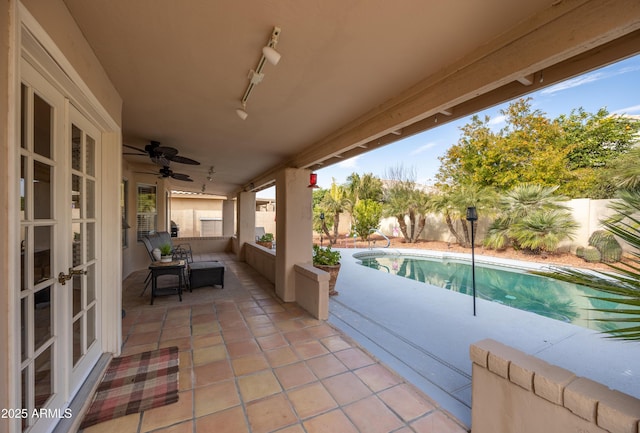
[
  {"x": 453, "y": 204},
  {"x": 622, "y": 286},
  {"x": 333, "y": 203},
  {"x": 532, "y": 217}
]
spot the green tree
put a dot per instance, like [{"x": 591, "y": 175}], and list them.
[
  {"x": 404, "y": 201},
  {"x": 367, "y": 214}
]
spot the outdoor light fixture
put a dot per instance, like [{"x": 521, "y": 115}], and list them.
[
  {"x": 472, "y": 216},
  {"x": 269, "y": 54},
  {"x": 313, "y": 181}
]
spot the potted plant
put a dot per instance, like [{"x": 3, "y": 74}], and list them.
[
  {"x": 329, "y": 261},
  {"x": 165, "y": 253},
  {"x": 266, "y": 240}
]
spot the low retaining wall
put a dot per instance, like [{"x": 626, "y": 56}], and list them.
[
  {"x": 516, "y": 392},
  {"x": 312, "y": 290},
  {"x": 262, "y": 260}
]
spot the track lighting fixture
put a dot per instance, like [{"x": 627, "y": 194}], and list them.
[
  {"x": 211, "y": 173},
  {"x": 269, "y": 54}
]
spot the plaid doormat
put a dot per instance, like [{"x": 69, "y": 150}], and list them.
[{"x": 134, "y": 384}]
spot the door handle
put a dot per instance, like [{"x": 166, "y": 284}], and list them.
[{"x": 62, "y": 278}]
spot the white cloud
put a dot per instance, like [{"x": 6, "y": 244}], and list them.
[
  {"x": 498, "y": 120},
  {"x": 634, "y": 109},
  {"x": 423, "y": 148},
  {"x": 588, "y": 78},
  {"x": 349, "y": 163}
]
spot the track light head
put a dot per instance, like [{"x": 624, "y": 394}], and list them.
[
  {"x": 271, "y": 55},
  {"x": 242, "y": 114}
]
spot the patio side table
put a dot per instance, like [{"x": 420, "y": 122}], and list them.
[{"x": 177, "y": 268}]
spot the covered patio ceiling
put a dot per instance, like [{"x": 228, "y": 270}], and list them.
[{"x": 354, "y": 74}]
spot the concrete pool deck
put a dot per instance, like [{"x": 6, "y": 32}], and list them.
[{"x": 424, "y": 333}]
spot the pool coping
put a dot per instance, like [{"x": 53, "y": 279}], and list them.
[{"x": 424, "y": 332}]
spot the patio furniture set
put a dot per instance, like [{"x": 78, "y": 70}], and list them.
[{"x": 189, "y": 274}]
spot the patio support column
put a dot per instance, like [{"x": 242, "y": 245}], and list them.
[
  {"x": 228, "y": 207},
  {"x": 246, "y": 220},
  {"x": 293, "y": 228}
]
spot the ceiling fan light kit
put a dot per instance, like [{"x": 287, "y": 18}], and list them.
[
  {"x": 269, "y": 54},
  {"x": 163, "y": 156}
]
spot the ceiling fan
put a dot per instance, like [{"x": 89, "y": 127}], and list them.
[
  {"x": 167, "y": 172},
  {"x": 161, "y": 155}
]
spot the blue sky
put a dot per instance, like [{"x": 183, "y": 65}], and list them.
[{"x": 615, "y": 87}]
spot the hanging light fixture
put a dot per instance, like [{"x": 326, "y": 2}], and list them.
[
  {"x": 313, "y": 180},
  {"x": 269, "y": 54}
]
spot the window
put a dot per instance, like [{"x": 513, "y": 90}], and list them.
[{"x": 147, "y": 213}]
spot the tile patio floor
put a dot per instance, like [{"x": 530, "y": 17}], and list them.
[{"x": 251, "y": 363}]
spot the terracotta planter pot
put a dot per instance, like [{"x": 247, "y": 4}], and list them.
[
  {"x": 333, "y": 276},
  {"x": 266, "y": 244}
]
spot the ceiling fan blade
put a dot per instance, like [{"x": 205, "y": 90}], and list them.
[
  {"x": 142, "y": 152},
  {"x": 160, "y": 160},
  {"x": 184, "y": 160},
  {"x": 181, "y": 176},
  {"x": 168, "y": 152},
  {"x": 133, "y": 154}
]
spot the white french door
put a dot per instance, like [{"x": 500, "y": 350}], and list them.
[{"x": 58, "y": 293}]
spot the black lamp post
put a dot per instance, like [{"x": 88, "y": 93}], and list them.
[
  {"x": 472, "y": 216},
  {"x": 321, "y": 227}
]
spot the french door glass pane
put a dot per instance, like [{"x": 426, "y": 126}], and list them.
[
  {"x": 24, "y": 99},
  {"x": 76, "y": 196},
  {"x": 91, "y": 283},
  {"x": 77, "y": 340},
  {"x": 42, "y": 316},
  {"x": 24, "y": 329},
  {"x": 91, "y": 241},
  {"x": 42, "y": 253},
  {"x": 90, "y": 197},
  {"x": 42, "y": 126},
  {"x": 90, "y": 151},
  {"x": 43, "y": 377},
  {"x": 77, "y": 294},
  {"x": 76, "y": 244},
  {"x": 42, "y": 193},
  {"x": 91, "y": 325},
  {"x": 76, "y": 148}
]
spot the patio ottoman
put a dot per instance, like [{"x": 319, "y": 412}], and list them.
[{"x": 206, "y": 274}]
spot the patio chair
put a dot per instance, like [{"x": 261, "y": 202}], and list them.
[{"x": 180, "y": 251}]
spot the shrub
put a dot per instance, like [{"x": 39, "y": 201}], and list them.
[
  {"x": 267, "y": 237},
  {"x": 606, "y": 243},
  {"x": 325, "y": 256},
  {"x": 592, "y": 255}
]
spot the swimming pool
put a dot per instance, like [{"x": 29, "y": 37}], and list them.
[{"x": 508, "y": 285}]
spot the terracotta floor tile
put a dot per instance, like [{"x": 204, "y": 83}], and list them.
[
  {"x": 205, "y": 340},
  {"x": 273, "y": 309},
  {"x": 294, "y": 375},
  {"x": 326, "y": 365},
  {"x": 346, "y": 388},
  {"x": 289, "y": 325},
  {"x": 406, "y": 402},
  {"x": 377, "y": 377},
  {"x": 205, "y": 328},
  {"x": 216, "y": 397},
  {"x": 177, "y": 321},
  {"x": 258, "y": 385},
  {"x": 183, "y": 427},
  {"x": 237, "y": 334},
  {"x": 309, "y": 349},
  {"x": 270, "y": 414},
  {"x": 311, "y": 400},
  {"x": 206, "y": 355},
  {"x": 297, "y": 428},
  {"x": 184, "y": 359},
  {"x": 186, "y": 377},
  {"x": 249, "y": 364},
  {"x": 127, "y": 423},
  {"x": 243, "y": 348},
  {"x": 170, "y": 414},
  {"x": 335, "y": 343},
  {"x": 131, "y": 350},
  {"x": 272, "y": 341},
  {"x": 228, "y": 421},
  {"x": 197, "y": 310},
  {"x": 143, "y": 338},
  {"x": 264, "y": 330},
  {"x": 297, "y": 336},
  {"x": 207, "y": 374},
  {"x": 436, "y": 422},
  {"x": 146, "y": 327},
  {"x": 203, "y": 319},
  {"x": 334, "y": 421},
  {"x": 254, "y": 311},
  {"x": 183, "y": 344},
  {"x": 372, "y": 416},
  {"x": 261, "y": 319},
  {"x": 354, "y": 358},
  {"x": 175, "y": 332},
  {"x": 322, "y": 331},
  {"x": 281, "y": 356}
]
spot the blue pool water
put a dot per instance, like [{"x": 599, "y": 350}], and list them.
[{"x": 515, "y": 288}]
